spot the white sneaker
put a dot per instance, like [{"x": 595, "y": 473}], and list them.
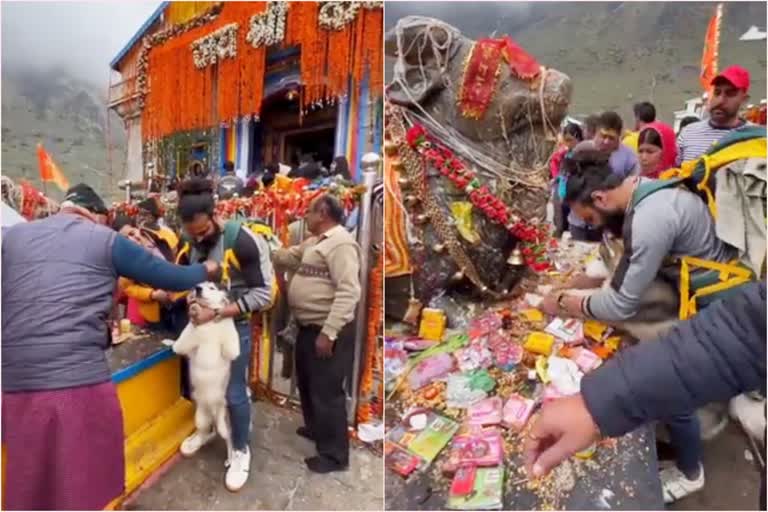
[
  {"x": 193, "y": 443},
  {"x": 675, "y": 485},
  {"x": 239, "y": 467}
]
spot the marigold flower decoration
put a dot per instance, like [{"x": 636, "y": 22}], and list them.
[{"x": 534, "y": 239}]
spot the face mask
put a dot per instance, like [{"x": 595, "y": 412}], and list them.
[{"x": 209, "y": 242}]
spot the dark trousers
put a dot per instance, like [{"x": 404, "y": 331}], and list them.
[
  {"x": 321, "y": 389},
  {"x": 685, "y": 437}
]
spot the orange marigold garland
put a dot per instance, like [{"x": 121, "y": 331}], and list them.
[
  {"x": 177, "y": 96},
  {"x": 373, "y": 331},
  {"x": 340, "y": 53}
]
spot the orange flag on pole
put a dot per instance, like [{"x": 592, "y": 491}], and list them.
[
  {"x": 711, "y": 50},
  {"x": 49, "y": 171}
]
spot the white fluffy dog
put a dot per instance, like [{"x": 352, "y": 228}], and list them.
[{"x": 210, "y": 348}]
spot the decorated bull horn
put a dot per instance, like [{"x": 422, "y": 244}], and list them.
[
  {"x": 438, "y": 247},
  {"x": 421, "y": 218},
  {"x": 411, "y": 200}
]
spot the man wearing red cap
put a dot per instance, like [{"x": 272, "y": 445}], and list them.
[{"x": 730, "y": 91}]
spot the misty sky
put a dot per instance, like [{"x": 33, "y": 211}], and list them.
[{"x": 82, "y": 37}]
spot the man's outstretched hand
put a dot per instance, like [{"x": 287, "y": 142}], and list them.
[
  {"x": 212, "y": 269},
  {"x": 563, "y": 427}
]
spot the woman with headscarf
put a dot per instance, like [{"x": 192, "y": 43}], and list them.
[
  {"x": 656, "y": 149},
  {"x": 146, "y": 305}
]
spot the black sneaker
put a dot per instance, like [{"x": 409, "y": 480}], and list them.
[{"x": 323, "y": 465}]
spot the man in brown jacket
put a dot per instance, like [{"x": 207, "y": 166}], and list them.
[{"x": 323, "y": 297}]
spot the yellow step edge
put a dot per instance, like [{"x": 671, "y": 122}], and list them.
[{"x": 155, "y": 442}]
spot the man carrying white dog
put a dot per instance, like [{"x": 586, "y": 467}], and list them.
[
  {"x": 250, "y": 291},
  {"x": 323, "y": 296}
]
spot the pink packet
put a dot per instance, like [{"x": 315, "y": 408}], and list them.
[
  {"x": 430, "y": 369},
  {"x": 485, "y": 412},
  {"x": 516, "y": 412},
  {"x": 570, "y": 330},
  {"x": 485, "y": 449},
  {"x": 484, "y": 325},
  {"x": 585, "y": 359}
]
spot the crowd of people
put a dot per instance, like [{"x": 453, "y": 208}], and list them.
[
  {"x": 239, "y": 182},
  {"x": 606, "y": 185},
  {"x": 62, "y": 421}
]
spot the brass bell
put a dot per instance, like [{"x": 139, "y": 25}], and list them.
[
  {"x": 403, "y": 181},
  {"x": 398, "y": 166},
  {"x": 411, "y": 200},
  {"x": 516, "y": 258},
  {"x": 390, "y": 148},
  {"x": 421, "y": 218},
  {"x": 438, "y": 247},
  {"x": 458, "y": 276}
]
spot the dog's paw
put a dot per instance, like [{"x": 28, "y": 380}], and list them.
[{"x": 168, "y": 342}]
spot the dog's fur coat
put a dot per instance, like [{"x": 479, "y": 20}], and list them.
[{"x": 210, "y": 348}]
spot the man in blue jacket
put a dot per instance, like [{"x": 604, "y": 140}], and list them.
[{"x": 718, "y": 354}]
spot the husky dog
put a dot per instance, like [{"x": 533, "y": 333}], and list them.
[
  {"x": 210, "y": 348},
  {"x": 658, "y": 307},
  {"x": 657, "y": 314}
]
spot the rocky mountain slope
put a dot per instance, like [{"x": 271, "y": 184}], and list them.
[{"x": 66, "y": 114}]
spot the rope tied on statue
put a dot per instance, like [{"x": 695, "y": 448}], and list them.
[{"x": 487, "y": 164}]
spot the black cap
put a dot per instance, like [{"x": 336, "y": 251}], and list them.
[
  {"x": 150, "y": 205},
  {"x": 84, "y": 196}
]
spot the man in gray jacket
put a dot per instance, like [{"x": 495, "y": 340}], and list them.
[
  {"x": 655, "y": 224},
  {"x": 718, "y": 354}
]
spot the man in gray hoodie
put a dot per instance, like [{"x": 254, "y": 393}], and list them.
[{"x": 656, "y": 224}]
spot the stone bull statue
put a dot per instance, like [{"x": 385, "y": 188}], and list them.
[{"x": 507, "y": 145}]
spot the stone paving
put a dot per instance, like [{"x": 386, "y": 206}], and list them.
[{"x": 279, "y": 478}]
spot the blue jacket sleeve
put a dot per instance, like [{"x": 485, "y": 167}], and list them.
[
  {"x": 133, "y": 261},
  {"x": 716, "y": 355}
]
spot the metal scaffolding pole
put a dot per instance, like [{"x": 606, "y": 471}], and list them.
[{"x": 369, "y": 165}]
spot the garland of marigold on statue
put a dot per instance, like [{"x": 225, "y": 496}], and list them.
[
  {"x": 373, "y": 330},
  {"x": 533, "y": 238}
]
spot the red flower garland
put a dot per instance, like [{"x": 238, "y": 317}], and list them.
[{"x": 442, "y": 158}]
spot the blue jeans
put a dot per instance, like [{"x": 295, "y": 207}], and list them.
[
  {"x": 238, "y": 403},
  {"x": 685, "y": 438}
]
